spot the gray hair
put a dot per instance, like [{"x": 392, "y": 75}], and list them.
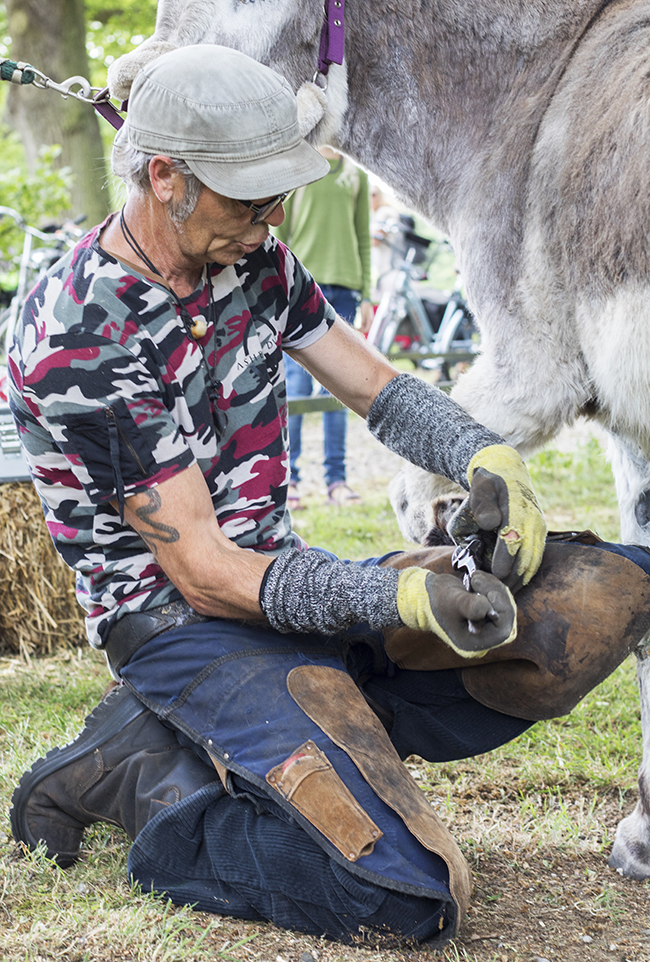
[{"x": 132, "y": 166}]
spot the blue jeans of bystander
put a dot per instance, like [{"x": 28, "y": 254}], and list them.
[{"x": 300, "y": 384}]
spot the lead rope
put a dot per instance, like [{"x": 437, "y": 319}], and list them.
[
  {"x": 17, "y": 72},
  {"x": 332, "y": 37}
]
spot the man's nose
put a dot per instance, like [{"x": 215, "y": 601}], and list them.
[{"x": 276, "y": 217}]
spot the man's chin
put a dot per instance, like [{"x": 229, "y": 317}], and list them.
[{"x": 230, "y": 255}]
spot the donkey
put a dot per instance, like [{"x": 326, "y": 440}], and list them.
[{"x": 521, "y": 129}]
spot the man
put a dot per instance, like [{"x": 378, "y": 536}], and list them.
[{"x": 147, "y": 384}]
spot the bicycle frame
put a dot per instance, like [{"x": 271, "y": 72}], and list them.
[
  {"x": 28, "y": 268},
  {"x": 404, "y": 302},
  {"x": 398, "y": 303}
]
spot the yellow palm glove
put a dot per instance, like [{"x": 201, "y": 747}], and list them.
[
  {"x": 501, "y": 498},
  {"x": 470, "y": 622}
]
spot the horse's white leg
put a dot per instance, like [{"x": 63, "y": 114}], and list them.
[
  {"x": 412, "y": 493},
  {"x": 631, "y": 851},
  {"x": 615, "y": 340}
]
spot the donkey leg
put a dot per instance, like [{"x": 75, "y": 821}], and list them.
[
  {"x": 631, "y": 851},
  {"x": 498, "y": 394},
  {"x": 413, "y": 493},
  {"x": 631, "y": 470}
]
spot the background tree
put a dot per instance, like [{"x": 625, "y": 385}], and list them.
[
  {"x": 52, "y": 36},
  {"x": 113, "y": 29},
  {"x": 65, "y": 38}
]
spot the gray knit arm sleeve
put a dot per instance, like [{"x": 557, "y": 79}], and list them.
[
  {"x": 306, "y": 591},
  {"x": 424, "y": 425}
]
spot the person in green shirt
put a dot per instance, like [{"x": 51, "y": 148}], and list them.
[{"x": 327, "y": 226}]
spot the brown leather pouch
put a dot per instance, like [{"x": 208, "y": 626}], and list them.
[{"x": 308, "y": 780}]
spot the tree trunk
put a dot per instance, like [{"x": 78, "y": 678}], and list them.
[{"x": 52, "y": 37}]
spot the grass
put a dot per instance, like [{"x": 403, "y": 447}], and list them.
[
  {"x": 577, "y": 489},
  {"x": 356, "y": 532},
  {"x": 561, "y": 786}
]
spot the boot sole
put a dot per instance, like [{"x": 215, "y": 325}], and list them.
[{"x": 106, "y": 720}]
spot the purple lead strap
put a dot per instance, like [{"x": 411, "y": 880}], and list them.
[
  {"x": 107, "y": 110},
  {"x": 332, "y": 38}
]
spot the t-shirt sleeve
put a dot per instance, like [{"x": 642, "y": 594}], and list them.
[
  {"x": 103, "y": 409},
  {"x": 310, "y": 316}
]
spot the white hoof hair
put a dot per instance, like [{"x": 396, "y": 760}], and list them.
[{"x": 122, "y": 72}]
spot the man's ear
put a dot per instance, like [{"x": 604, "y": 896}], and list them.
[{"x": 166, "y": 182}]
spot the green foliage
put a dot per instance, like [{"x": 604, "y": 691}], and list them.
[
  {"x": 113, "y": 30},
  {"x": 43, "y": 195},
  {"x": 39, "y": 198},
  {"x": 355, "y": 532},
  {"x": 576, "y": 489}
]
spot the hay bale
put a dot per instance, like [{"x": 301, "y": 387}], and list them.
[{"x": 38, "y": 609}]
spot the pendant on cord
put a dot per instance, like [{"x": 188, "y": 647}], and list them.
[{"x": 198, "y": 328}]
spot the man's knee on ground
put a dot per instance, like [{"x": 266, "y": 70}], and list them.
[{"x": 382, "y": 917}]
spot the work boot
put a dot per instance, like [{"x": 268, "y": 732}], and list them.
[{"x": 122, "y": 768}]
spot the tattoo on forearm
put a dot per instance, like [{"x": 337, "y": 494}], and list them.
[{"x": 160, "y": 532}]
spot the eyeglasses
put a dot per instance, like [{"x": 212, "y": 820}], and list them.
[{"x": 262, "y": 211}]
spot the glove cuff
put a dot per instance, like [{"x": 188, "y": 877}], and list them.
[
  {"x": 496, "y": 458},
  {"x": 412, "y": 601},
  {"x": 445, "y": 438},
  {"x": 307, "y": 591}
]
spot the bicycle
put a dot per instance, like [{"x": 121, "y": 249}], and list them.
[
  {"x": 34, "y": 261},
  {"x": 429, "y": 327}
]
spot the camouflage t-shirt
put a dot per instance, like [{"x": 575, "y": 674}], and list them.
[{"x": 110, "y": 396}]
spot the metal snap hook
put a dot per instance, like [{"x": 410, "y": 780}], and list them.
[{"x": 65, "y": 89}]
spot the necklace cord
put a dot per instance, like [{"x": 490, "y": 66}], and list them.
[{"x": 186, "y": 319}]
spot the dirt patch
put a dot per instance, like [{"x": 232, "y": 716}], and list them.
[{"x": 555, "y": 906}]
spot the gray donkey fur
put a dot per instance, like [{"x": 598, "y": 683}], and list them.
[{"x": 520, "y": 128}]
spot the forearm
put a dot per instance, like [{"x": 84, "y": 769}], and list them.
[
  {"x": 226, "y": 587},
  {"x": 343, "y": 363},
  {"x": 176, "y": 522},
  {"x": 426, "y": 427},
  {"x": 430, "y": 430}
]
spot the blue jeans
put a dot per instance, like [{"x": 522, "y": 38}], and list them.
[{"x": 300, "y": 384}]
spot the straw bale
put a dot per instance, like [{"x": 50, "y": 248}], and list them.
[{"x": 38, "y": 609}]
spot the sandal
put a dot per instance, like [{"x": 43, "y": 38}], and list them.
[{"x": 339, "y": 493}]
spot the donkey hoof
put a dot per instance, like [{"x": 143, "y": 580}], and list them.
[{"x": 631, "y": 851}]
